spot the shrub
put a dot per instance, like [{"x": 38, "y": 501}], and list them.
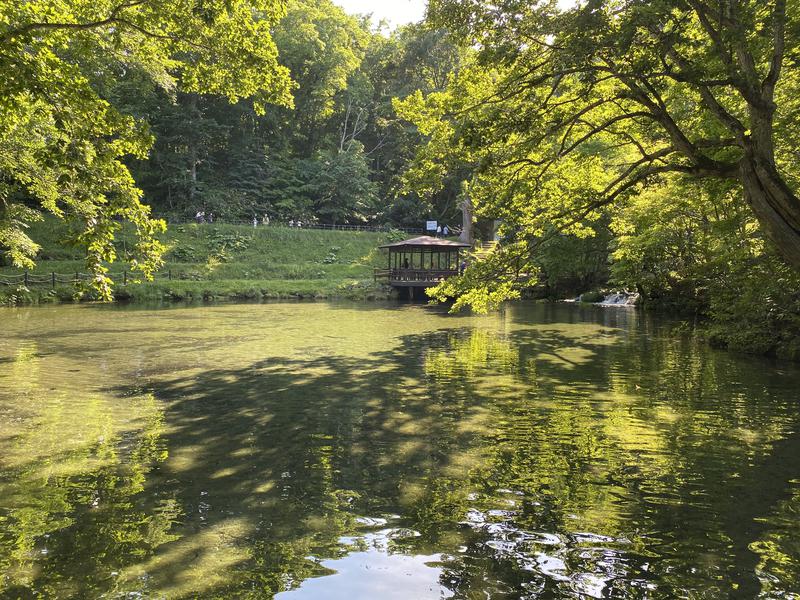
[
  {"x": 593, "y": 296},
  {"x": 755, "y": 308}
]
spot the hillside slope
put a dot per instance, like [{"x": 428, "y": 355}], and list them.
[{"x": 216, "y": 261}]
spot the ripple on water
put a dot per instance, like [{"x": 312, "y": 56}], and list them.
[
  {"x": 542, "y": 452},
  {"x": 581, "y": 563}
]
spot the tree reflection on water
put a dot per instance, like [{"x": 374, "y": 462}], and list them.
[{"x": 528, "y": 456}]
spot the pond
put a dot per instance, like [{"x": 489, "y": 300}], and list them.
[{"x": 325, "y": 450}]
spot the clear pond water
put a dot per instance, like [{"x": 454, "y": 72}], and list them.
[{"x": 368, "y": 451}]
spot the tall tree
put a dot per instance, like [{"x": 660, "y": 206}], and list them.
[
  {"x": 229, "y": 159},
  {"x": 342, "y": 187},
  {"x": 412, "y": 58},
  {"x": 62, "y": 144},
  {"x": 569, "y": 111},
  {"x": 322, "y": 46}
]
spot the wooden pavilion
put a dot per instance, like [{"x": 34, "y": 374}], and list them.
[{"x": 421, "y": 262}]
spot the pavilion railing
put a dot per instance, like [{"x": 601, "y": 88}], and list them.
[
  {"x": 412, "y": 275},
  {"x": 381, "y": 274}
]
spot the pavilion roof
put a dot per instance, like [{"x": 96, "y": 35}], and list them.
[{"x": 427, "y": 241}]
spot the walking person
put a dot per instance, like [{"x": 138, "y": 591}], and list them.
[
  {"x": 445, "y": 231},
  {"x": 255, "y": 221},
  {"x": 438, "y": 231}
]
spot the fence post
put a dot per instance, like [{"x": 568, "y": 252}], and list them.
[
  {"x": 53, "y": 279},
  {"x": 26, "y": 278},
  {"x": 124, "y": 276},
  {"x": 169, "y": 274}
]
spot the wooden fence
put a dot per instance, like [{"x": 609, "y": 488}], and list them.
[
  {"x": 304, "y": 225},
  {"x": 28, "y": 279}
]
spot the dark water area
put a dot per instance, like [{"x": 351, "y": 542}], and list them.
[{"x": 390, "y": 451}]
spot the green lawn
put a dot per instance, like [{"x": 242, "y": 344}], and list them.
[{"x": 223, "y": 261}]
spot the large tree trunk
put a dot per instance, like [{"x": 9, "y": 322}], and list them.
[
  {"x": 192, "y": 178},
  {"x": 466, "y": 219},
  {"x": 192, "y": 191},
  {"x": 774, "y": 204}
]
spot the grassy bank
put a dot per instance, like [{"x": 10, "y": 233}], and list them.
[{"x": 207, "y": 262}]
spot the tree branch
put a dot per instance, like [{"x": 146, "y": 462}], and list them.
[
  {"x": 599, "y": 129},
  {"x": 112, "y": 17},
  {"x": 732, "y": 123},
  {"x": 778, "y": 49}
]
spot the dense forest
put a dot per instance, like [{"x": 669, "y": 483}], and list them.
[
  {"x": 650, "y": 146},
  {"x": 334, "y": 157}
]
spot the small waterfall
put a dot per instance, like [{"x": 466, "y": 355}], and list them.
[
  {"x": 620, "y": 299},
  {"x": 613, "y": 299}
]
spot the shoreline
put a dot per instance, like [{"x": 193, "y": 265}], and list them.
[{"x": 200, "y": 291}]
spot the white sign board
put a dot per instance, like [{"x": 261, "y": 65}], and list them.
[{"x": 431, "y": 225}]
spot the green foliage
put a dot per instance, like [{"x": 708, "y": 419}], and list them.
[
  {"x": 343, "y": 189},
  {"x": 592, "y": 297},
  {"x": 564, "y": 116},
  {"x": 224, "y": 245},
  {"x": 486, "y": 283},
  {"x": 309, "y": 163},
  {"x": 755, "y": 308},
  {"x": 322, "y": 47},
  {"x": 66, "y": 152},
  {"x": 194, "y": 109},
  {"x": 569, "y": 265},
  {"x": 332, "y": 256},
  {"x": 662, "y": 126},
  {"x": 673, "y": 241},
  {"x": 697, "y": 249},
  {"x": 414, "y": 57},
  {"x": 185, "y": 253}
]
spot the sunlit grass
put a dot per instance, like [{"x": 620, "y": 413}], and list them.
[{"x": 219, "y": 261}]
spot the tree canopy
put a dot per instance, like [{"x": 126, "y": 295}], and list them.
[
  {"x": 563, "y": 114},
  {"x": 230, "y": 160},
  {"x": 63, "y": 142}
]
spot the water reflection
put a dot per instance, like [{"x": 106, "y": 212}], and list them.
[
  {"x": 71, "y": 470},
  {"x": 376, "y": 565},
  {"x": 319, "y": 450}
]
